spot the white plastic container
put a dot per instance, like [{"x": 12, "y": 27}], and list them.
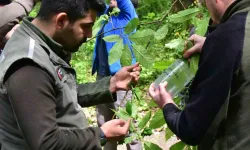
[{"x": 178, "y": 75}]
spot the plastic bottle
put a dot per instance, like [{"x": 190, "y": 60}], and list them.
[{"x": 178, "y": 75}]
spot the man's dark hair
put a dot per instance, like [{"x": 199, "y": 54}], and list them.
[
  {"x": 75, "y": 9},
  {"x": 135, "y": 3}
]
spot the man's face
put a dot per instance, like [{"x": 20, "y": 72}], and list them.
[
  {"x": 216, "y": 9},
  {"x": 76, "y": 33},
  {"x": 113, "y": 4},
  {"x": 211, "y": 8}
]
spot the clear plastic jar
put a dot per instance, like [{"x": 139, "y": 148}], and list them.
[{"x": 178, "y": 75}]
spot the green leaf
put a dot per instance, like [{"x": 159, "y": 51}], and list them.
[
  {"x": 132, "y": 126},
  {"x": 35, "y": 10},
  {"x": 158, "y": 120},
  {"x": 201, "y": 26},
  {"x": 115, "y": 11},
  {"x": 143, "y": 56},
  {"x": 162, "y": 65},
  {"x": 161, "y": 33},
  {"x": 126, "y": 58},
  {"x": 122, "y": 114},
  {"x": 151, "y": 146},
  {"x": 142, "y": 36},
  {"x": 194, "y": 63},
  {"x": 147, "y": 132},
  {"x": 131, "y": 26},
  {"x": 132, "y": 137},
  {"x": 132, "y": 108},
  {"x": 152, "y": 104},
  {"x": 184, "y": 15},
  {"x": 99, "y": 24},
  {"x": 116, "y": 52},
  {"x": 145, "y": 120},
  {"x": 168, "y": 134},
  {"x": 128, "y": 140},
  {"x": 129, "y": 107},
  {"x": 178, "y": 146},
  {"x": 177, "y": 44},
  {"x": 174, "y": 44},
  {"x": 112, "y": 38},
  {"x": 177, "y": 99},
  {"x": 189, "y": 44}
]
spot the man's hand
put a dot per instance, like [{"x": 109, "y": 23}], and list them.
[
  {"x": 160, "y": 95},
  {"x": 116, "y": 129},
  {"x": 9, "y": 34},
  {"x": 123, "y": 78},
  {"x": 198, "y": 44}
]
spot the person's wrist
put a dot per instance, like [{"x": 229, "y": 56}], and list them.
[
  {"x": 112, "y": 86},
  {"x": 103, "y": 138},
  {"x": 164, "y": 103}
]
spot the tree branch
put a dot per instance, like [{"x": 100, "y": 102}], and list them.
[{"x": 182, "y": 4}]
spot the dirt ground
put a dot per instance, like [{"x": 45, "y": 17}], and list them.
[{"x": 157, "y": 138}]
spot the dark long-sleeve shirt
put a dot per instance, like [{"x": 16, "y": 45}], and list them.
[{"x": 220, "y": 59}]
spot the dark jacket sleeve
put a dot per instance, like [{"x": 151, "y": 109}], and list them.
[
  {"x": 12, "y": 14},
  {"x": 31, "y": 93},
  {"x": 210, "y": 88},
  {"x": 95, "y": 93}
]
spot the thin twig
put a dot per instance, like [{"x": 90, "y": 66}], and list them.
[
  {"x": 182, "y": 4},
  {"x": 124, "y": 98}
]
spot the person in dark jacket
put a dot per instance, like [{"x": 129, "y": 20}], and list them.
[
  {"x": 217, "y": 114},
  {"x": 102, "y": 67},
  {"x": 40, "y": 101}
]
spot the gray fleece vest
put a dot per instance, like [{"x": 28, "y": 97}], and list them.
[{"x": 25, "y": 44}]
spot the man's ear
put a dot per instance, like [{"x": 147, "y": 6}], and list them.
[{"x": 62, "y": 20}]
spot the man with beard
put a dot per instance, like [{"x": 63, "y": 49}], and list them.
[{"x": 40, "y": 101}]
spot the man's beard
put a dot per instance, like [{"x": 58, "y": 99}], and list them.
[{"x": 76, "y": 48}]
